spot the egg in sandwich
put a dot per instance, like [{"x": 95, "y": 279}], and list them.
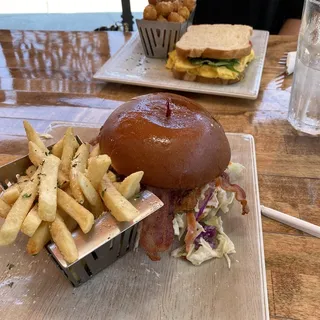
[{"x": 217, "y": 54}]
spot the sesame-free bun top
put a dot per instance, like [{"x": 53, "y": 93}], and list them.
[{"x": 176, "y": 142}]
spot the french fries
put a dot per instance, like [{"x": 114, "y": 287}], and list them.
[
  {"x": 57, "y": 149},
  {"x": 30, "y": 171},
  {"x": 91, "y": 194},
  {"x": 48, "y": 188},
  {"x": 22, "y": 185},
  {"x": 36, "y": 155},
  {"x": 119, "y": 206},
  {"x": 131, "y": 185},
  {"x": 95, "y": 151},
  {"x": 39, "y": 239},
  {"x": 69, "y": 221},
  {"x": 4, "y": 208},
  {"x": 33, "y": 136},
  {"x": 78, "y": 164},
  {"x": 112, "y": 176},
  {"x": 97, "y": 167},
  {"x": 117, "y": 185},
  {"x": 31, "y": 222},
  {"x": 56, "y": 212},
  {"x": 74, "y": 186},
  {"x": 83, "y": 216},
  {"x": 21, "y": 179},
  {"x": 70, "y": 146},
  {"x": 63, "y": 239},
  {"x": 80, "y": 158},
  {"x": 68, "y": 191},
  {"x": 19, "y": 211},
  {"x": 11, "y": 194}
]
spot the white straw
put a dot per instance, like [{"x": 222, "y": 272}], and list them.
[{"x": 291, "y": 221}]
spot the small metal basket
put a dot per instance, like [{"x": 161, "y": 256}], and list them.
[
  {"x": 107, "y": 241},
  {"x": 159, "y": 37}
]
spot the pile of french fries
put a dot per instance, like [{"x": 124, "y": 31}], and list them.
[{"x": 64, "y": 188}]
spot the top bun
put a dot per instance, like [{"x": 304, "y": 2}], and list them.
[{"x": 176, "y": 142}]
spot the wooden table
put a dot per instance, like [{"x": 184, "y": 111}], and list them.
[{"x": 47, "y": 76}]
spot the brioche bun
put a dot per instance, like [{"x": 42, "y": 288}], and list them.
[{"x": 176, "y": 142}]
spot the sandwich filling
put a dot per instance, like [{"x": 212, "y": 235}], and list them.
[
  {"x": 201, "y": 230},
  {"x": 200, "y": 227},
  {"x": 227, "y": 69}
]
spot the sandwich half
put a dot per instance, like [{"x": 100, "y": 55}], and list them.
[{"x": 217, "y": 54}]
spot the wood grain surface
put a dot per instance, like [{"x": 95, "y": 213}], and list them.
[{"x": 47, "y": 76}]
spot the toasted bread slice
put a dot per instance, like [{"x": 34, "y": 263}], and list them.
[
  {"x": 217, "y": 41},
  {"x": 191, "y": 77}
]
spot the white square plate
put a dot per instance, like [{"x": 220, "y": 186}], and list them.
[{"x": 130, "y": 66}]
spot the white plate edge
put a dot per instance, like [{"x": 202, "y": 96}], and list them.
[{"x": 263, "y": 284}]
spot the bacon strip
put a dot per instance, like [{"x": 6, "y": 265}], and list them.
[
  {"x": 191, "y": 231},
  {"x": 224, "y": 182},
  {"x": 157, "y": 229}
]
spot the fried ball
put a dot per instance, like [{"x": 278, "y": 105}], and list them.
[
  {"x": 164, "y": 8},
  {"x": 150, "y": 12},
  {"x": 190, "y": 4},
  {"x": 175, "y": 17},
  {"x": 184, "y": 12},
  {"x": 154, "y": 2},
  {"x": 177, "y": 5},
  {"x": 161, "y": 18}
]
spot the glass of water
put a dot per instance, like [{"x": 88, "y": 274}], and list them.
[{"x": 304, "y": 108}]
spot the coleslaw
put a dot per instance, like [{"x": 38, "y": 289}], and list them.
[{"x": 203, "y": 234}]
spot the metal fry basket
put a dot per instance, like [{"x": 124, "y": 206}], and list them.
[
  {"x": 97, "y": 260},
  {"x": 158, "y": 37},
  {"x": 108, "y": 239}
]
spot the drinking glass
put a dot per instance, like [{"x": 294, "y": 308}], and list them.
[{"x": 304, "y": 107}]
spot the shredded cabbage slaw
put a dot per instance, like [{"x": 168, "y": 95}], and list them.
[{"x": 206, "y": 239}]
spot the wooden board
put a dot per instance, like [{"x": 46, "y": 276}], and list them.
[{"x": 135, "y": 287}]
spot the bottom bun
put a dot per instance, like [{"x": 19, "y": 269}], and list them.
[{"x": 191, "y": 77}]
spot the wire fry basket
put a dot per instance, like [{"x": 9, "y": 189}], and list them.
[{"x": 158, "y": 37}]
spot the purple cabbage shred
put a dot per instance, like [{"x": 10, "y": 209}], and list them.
[
  {"x": 203, "y": 205},
  {"x": 209, "y": 235}
]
